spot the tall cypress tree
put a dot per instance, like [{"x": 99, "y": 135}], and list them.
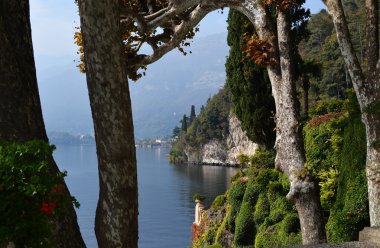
[
  {"x": 249, "y": 85},
  {"x": 184, "y": 123},
  {"x": 192, "y": 114}
]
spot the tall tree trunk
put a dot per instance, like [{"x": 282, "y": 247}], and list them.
[
  {"x": 290, "y": 157},
  {"x": 304, "y": 191},
  {"x": 117, "y": 210},
  {"x": 20, "y": 108},
  {"x": 367, "y": 91}
]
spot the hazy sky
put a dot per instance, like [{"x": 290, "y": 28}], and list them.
[{"x": 54, "y": 22}]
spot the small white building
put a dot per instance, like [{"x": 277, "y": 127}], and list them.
[{"x": 199, "y": 209}]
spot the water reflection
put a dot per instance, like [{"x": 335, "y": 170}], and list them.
[{"x": 166, "y": 208}]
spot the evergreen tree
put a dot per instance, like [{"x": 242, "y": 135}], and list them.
[
  {"x": 176, "y": 132},
  {"x": 184, "y": 123},
  {"x": 192, "y": 114},
  {"x": 249, "y": 85}
]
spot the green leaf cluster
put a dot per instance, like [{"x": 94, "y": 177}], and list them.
[{"x": 26, "y": 183}]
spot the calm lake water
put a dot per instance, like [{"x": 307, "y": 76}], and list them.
[{"x": 165, "y": 193}]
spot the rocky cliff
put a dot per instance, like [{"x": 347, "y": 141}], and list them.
[{"x": 223, "y": 151}]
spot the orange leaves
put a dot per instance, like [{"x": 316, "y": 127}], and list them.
[
  {"x": 258, "y": 51},
  {"x": 79, "y": 42},
  {"x": 284, "y": 5}
]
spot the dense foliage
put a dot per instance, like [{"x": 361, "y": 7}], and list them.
[
  {"x": 29, "y": 195},
  {"x": 322, "y": 47},
  {"x": 255, "y": 210},
  {"x": 212, "y": 123},
  {"x": 249, "y": 85}
]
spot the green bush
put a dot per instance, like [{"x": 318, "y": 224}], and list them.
[
  {"x": 263, "y": 159},
  {"x": 245, "y": 226},
  {"x": 264, "y": 177},
  {"x": 262, "y": 209},
  {"x": 219, "y": 201},
  {"x": 251, "y": 192},
  {"x": 275, "y": 189},
  {"x": 283, "y": 179},
  {"x": 235, "y": 198},
  {"x": 177, "y": 156},
  {"x": 328, "y": 106},
  {"x": 236, "y": 176},
  {"x": 275, "y": 236},
  {"x": 349, "y": 213},
  {"x": 198, "y": 197},
  {"x": 291, "y": 223},
  {"x": 323, "y": 145},
  {"x": 278, "y": 208},
  {"x": 214, "y": 246},
  {"x": 30, "y": 196}
]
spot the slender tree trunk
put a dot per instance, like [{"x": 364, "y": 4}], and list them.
[
  {"x": 20, "y": 108},
  {"x": 304, "y": 191},
  {"x": 367, "y": 91},
  {"x": 290, "y": 157},
  {"x": 116, "y": 214}
]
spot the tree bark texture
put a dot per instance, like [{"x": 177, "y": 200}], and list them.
[
  {"x": 290, "y": 159},
  {"x": 367, "y": 91},
  {"x": 117, "y": 209},
  {"x": 20, "y": 108}
]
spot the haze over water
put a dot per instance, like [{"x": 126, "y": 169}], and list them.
[{"x": 166, "y": 207}]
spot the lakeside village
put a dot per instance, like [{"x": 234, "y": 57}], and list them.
[{"x": 153, "y": 143}]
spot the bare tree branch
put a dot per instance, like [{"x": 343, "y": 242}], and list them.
[{"x": 179, "y": 34}]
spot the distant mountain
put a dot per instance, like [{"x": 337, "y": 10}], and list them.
[{"x": 158, "y": 100}]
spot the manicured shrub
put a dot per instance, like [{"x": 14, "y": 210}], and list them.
[
  {"x": 349, "y": 213},
  {"x": 278, "y": 208},
  {"x": 219, "y": 202},
  {"x": 291, "y": 223},
  {"x": 245, "y": 226},
  {"x": 235, "y": 197},
  {"x": 275, "y": 236},
  {"x": 215, "y": 246},
  {"x": 323, "y": 145},
  {"x": 262, "y": 209},
  {"x": 251, "y": 192},
  {"x": 236, "y": 176},
  {"x": 263, "y": 159},
  {"x": 264, "y": 177}
]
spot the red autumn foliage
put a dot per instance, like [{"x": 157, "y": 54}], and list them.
[
  {"x": 196, "y": 231},
  {"x": 258, "y": 51},
  {"x": 316, "y": 121}
]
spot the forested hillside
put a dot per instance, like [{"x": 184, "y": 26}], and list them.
[
  {"x": 195, "y": 131},
  {"x": 323, "y": 49}
]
